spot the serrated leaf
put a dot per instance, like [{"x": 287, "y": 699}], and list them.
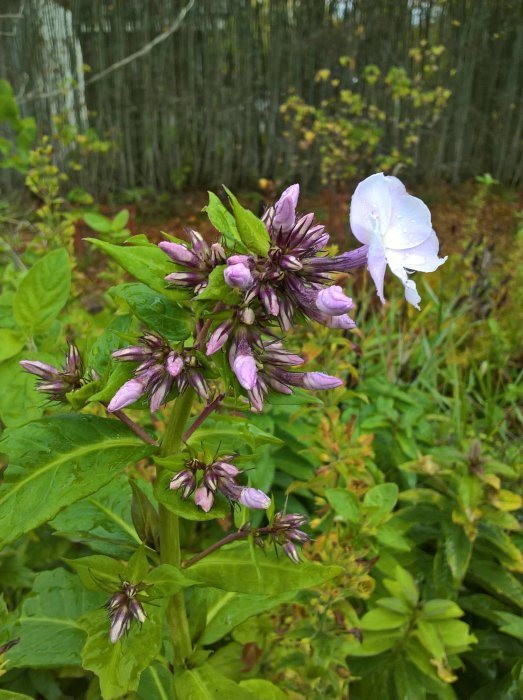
[
  {"x": 252, "y": 230},
  {"x": 345, "y": 503},
  {"x": 56, "y": 461},
  {"x": 119, "y": 666},
  {"x": 48, "y": 626},
  {"x": 155, "y": 310},
  {"x": 43, "y": 292},
  {"x": 240, "y": 569},
  {"x": 147, "y": 264}
]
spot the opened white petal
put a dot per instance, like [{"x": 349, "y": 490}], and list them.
[
  {"x": 410, "y": 224},
  {"x": 371, "y": 208},
  {"x": 423, "y": 257}
]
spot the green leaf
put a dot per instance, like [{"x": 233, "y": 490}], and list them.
[
  {"x": 102, "y": 520},
  {"x": 9, "y": 695},
  {"x": 223, "y": 221},
  {"x": 458, "y": 549},
  {"x": 252, "y": 230},
  {"x": 167, "y": 580},
  {"x": 98, "y": 222},
  {"x": 226, "y": 610},
  {"x": 492, "y": 577},
  {"x": 10, "y": 343},
  {"x": 217, "y": 289},
  {"x": 440, "y": 609},
  {"x": 205, "y": 683},
  {"x": 98, "y": 572},
  {"x": 403, "y": 587},
  {"x": 187, "y": 508},
  {"x": 119, "y": 666},
  {"x": 148, "y": 264},
  {"x": 121, "y": 372},
  {"x": 120, "y": 220},
  {"x": 237, "y": 568},
  {"x": 114, "y": 337},
  {"x": 43, "y": 292},
  {"x": 345, "y": 503},
  {"x": 57, "y": 461},
  {"x": 48, "y": 627},
  {"x": 376, "y": 620},
  {"x": 155, "y": 310},
  {"x": 263, "y": 690},
  {"x": 382, "y": 497},
  {"x": 156, "y": 683},
  {"x": 373, "y": 643},
  {"x": 429, "y": 636},
  {"x": 19, "y": 402}
]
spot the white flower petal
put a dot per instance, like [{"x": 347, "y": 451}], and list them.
[
  {"x": 377, "y": 264},
  {"x": 423, "y": 257},
  {"x": 410, "y": 223},
  {"x": 371, "y": 208}
]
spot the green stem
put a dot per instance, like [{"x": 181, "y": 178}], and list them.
[{"x": 170, "y": 533}]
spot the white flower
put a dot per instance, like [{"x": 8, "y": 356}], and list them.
[{"x": 398, "y": 230}]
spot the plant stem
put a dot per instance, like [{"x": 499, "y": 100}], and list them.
[
  {"x": 170, "y": 533},
  {"x": 233, "y": 537},
  {"x": 203, "y": 416},
  {"x": 137, "y": 429}
]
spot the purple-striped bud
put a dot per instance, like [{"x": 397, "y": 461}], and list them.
[
  {"x": 290, "y": 550},
  {"x": 127, "y": 394},
  {"x": 135, "y": 353},
  {"x": 217, "y": 254},
  {"x": 40, "y": 369},
  {"x": 291, "y": 262},
  {"x": 254, "y": 498},
  {"x": 238, "y": 276},
  {"x": 204, "y": 498},
  {"x": 333, "y": 301},
  {"x": 219, "y": 337},
  {"x": 291, "y": 520},
  {"x": 270, "y": 300},
  {"x": 180, "y": 254},
  {"x": 174, "y": 364},
  {"x": 185, "y": 279},
  {"x": 285, "y": 209},
  {"x": 244, "y": 367},
  {"x": 247, "y": 316},
  {"x": 256, "y": 395},
  {"x": 199, "y": 245},
  {"x": 159, "y": 393},
  {"x": 319, "y": 380},
  {"x": 120, "y": 623},
  {"x": 225, "y": 469},
  {"x": 184, "y": 481},
  {"x": 343, "y": 321},
  {"x": 137, "y": 611},
  {"x": 199, "y": 384}
]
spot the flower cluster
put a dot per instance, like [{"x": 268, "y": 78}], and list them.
[
  {"x": 56, "y": 383},
  {"x": 220, "y": 476},
  {"x": 123, "y": 608},
  {"x": 200, "y": 261},
  {"x": 159, "y": 370},
  {"x": 285, "y": 532}
]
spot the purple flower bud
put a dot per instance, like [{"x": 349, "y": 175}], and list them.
[
  {"x": 56, "y": 388},
  {"x": 127, "y": 394},
  {"x": 137, "y": 611},
  {"x": 342, "y": 321},
  {"x": 333, "y": 301},
  {"x": 270, "y": 300},
  {"x": 135, "y": 353},
  {"x": 159, "y": 393},
  {"x": 174, "y": 364},
  {"x": 184, "y": 481},
  {"x": 120, "y": 623},
  {"x": 298, "y": 536},
  {"x": 238, "y": 276},
  {"x": 256, "y": 395},
  {"x": 180, "y": 254},
  {"x": 290, "y": 550},
  {"x": 217, "y": 254},
  {"x": 199, "y": 384},
  {"x": 40, "y": 369},
  {"x": 225, "y": 469},
  {"x": 236, "y": 259},
  {"x": 73, "y": 359},
  {"x": 254, "y": 498},
  {"x": 291, "y": 262},
  {"x": 247, "y": 316},
  {"x": 319, "y": 380},
  {"x": 285, "y": 209},
  {"x": 219, "y": 337},
  {"x": 204, "y": 498},
  {"x": 185, "y": 279},
  {"x": 292, "y": 519},
  {"x": 244, "y": 367}
]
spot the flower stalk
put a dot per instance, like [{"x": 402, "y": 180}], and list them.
[{"x": 170, "y": 551}]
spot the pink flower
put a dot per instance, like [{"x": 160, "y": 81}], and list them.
[{"x": 398, "y": 229}]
